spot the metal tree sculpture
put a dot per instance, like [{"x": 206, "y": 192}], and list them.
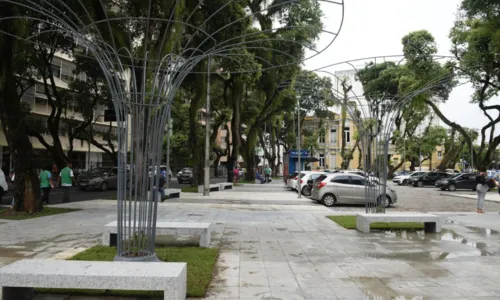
[
  {"x": 376, "y": 123},
  {"x": 146, "y": 48}
]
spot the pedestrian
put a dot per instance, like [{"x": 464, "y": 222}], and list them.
[
  {"x": 45, "y": 184},
  {"x": 236, "y": 174},
  {"x": 66, "y": 181},
  {"x": 481, "y": 189},
  {"x": 161, "y": 184},
  {"x": 267, "y": 172}
]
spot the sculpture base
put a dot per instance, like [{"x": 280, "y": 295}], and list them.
[{"x": 148, "y": 258}]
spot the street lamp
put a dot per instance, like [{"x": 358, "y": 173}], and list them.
[
  {"x": 299, "y": 188},
  {"x": 206, "y": 188}
]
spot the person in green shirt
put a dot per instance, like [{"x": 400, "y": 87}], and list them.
[
  {"x": 267, "y": 172},
  {"x": 66, "y": 181},
  {"x": 45, "y": 184}
]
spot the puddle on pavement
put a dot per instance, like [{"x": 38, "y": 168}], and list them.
[{"x": 477, "y": 248}]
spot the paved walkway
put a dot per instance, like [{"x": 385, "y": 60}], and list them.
[{"x": 294, "y": 252}]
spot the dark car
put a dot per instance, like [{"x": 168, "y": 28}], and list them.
[
  {"x": 185, "y": 175},
  {"x": 461, "y": 181},
  {"x": 428, "y": 178},
  {"x": 99, "y": 179}
]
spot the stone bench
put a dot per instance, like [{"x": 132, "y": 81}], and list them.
[
  {"x": 173, "y": 193},
  {"x": 203, "y": 229},
  {"x": 22, "y": 276},
  {"x": 432, "y": 223},
  {"x": 214, "y": 187},
  {"x": 225, "y": 186}
]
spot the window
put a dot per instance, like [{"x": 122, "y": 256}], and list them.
[
  {"x": 321, "y": 138},
  {"x": 41, "y": 105},
  {"x": 357, "y": 180},
  {"x": 333, "y": 136},
  {"x": 333, "y": 161},
  {"x": 56, "y": 70},
  {"x": 440, "y": 154},
  {"x": 321, "y": 160},
  {"x": 341, "y": 179},
  {"x": 347, "y": 134}
]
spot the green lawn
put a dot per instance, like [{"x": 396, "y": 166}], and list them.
[
  {"x": 243, "y": 181},
  {"x": 6, "y": 213},
  {"x": 200, "y": 268},
  {"x": 349, "y": 222}
]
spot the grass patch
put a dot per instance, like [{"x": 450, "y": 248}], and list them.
[
  {"x": 200, "y": 268},
  {"x": 243, "y": 181},
  {"x": 238, "y": 184},
  {"x": 190, "y": 189},
  {"x": 349, "y": 222},
  {"x": 7, "y": 213}
]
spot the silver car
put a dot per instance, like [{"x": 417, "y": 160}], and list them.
[{"x": 348, "y": 189}]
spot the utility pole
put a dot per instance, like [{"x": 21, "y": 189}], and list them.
[
  {"x": 471, "y": 151},
  {"x": 206, "y": 188},
  {"x": 299, "y": 188},
  {"x": 169, "y": 134},
  {"x": 404, "y": 154}
]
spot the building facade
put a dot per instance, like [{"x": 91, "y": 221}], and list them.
[
  {"x": 329, "y": 142},
  {"x": 84, "y": 154}
]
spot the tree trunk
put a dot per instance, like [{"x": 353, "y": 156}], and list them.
[
  {"x": 249, "y": 154},
  {"x": 237, "y": 94},
  {"x": 194, "y": 132},
  {"x": 26, "y": 197}
]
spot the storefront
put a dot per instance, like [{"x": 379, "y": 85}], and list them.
[{"x": 291, "y": 161}]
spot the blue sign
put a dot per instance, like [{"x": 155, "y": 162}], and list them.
[{"x": 295, "y": 153}]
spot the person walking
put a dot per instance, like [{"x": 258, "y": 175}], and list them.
[
  {"x": 45, "y": 184},
  {"x": 66, "y": 181},
  {"x": 481, "y": 189},
  {"x": 161, "y": 184},
  {"x": 267, "y": 172}
]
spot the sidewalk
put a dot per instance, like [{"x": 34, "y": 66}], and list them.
[{"x": 490, "y": 196}]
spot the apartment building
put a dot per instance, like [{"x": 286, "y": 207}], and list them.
[
  {"x": 84, "y": 155},
  {"x": 330, "y": 132}
]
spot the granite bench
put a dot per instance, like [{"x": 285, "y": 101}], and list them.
[
  {"x": 214, "y": 187},
  {"x": 173, "y": 193},
  {"x": 203, "y": 229},
  {"x": 225, "y": 186},
  {"x": 18, "y": 279},
  {"x": 432, "y": 223}
]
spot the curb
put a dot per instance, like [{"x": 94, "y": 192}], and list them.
[{"x": 468, "y": 197}]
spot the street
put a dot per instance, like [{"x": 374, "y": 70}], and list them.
[{"x": 56, "y": 194}]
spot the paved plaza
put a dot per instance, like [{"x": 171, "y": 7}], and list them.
[{"x": 276, "y": 246}]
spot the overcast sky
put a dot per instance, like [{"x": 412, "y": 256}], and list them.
[{"x": 375, "y": 28}]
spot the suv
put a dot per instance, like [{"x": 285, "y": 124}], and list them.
[
  {"x": 428, "y": 178},
  {"x": 185, "y": 175},
  {"x": 405, "y": 179},
  {"x": 349, "y": 189}
]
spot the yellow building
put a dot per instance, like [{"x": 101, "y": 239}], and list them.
[
  {"x": 329, "y": 143},
  {"x": 428, "y": 164}
]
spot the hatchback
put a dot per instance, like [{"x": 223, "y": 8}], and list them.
[{"x": 349, "y": 189}]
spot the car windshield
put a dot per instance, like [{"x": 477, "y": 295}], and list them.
[
  {"x": 187, "y": 170},
  {"x": 96, "y": 172},
  {"x": 456, "y": 176},
  {"x": 321, "y": 178},
  {"x": 302, "y": 175}
]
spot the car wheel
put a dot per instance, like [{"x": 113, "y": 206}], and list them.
[
  {"x": 328, "y": 200},
  {"x": 443, "y": 189},
  {"x": 405, "y": 182},
  {"x": 82, "y": 188},
  {"x": 305, "y": 191},
  {"x": 180, "y": 181},
  {"x": 414, "y": 184},
  {"x": 420, "y": 184},
  {"x": 452, "y": 187},
  {"x": 104, "y": 186},
  {"x": 387, "y": 202}
]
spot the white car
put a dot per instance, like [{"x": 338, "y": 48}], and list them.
[
  {"x": 292, "y": 182},
  {"x": 405, "y": 179},
  {"x": 4, "y": 187}
]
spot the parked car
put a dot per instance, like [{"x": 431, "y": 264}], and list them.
[
  {"x": 452, "y": 172},
  {"x": 360, "y": 173},
  {"x": 465, "y": 181},
  {"x": 99, "y": 178},
  {"x": 293, "y": 183},
  {"x": 291, "y": 177},
  {"x": 185, "y": 175},
  {"x": 405, "y": 179},
  {"x": 308, "y": 180},
  {"x": 429, "y": 178},
  {"x": 337, "y": 188}
]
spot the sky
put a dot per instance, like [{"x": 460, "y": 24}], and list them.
[{"x": 376, "y": 27}]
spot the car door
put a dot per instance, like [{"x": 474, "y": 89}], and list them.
[
  {"x": 357, "y": 184},
  {"x": 113, "y": 178},
  {"x": 429, "y": 178},
  {"x": 341, "y": 188},
  {"x": 471, "y": 181}
]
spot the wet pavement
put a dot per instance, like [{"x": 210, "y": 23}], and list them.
[{"x": 294, "y": 252}]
